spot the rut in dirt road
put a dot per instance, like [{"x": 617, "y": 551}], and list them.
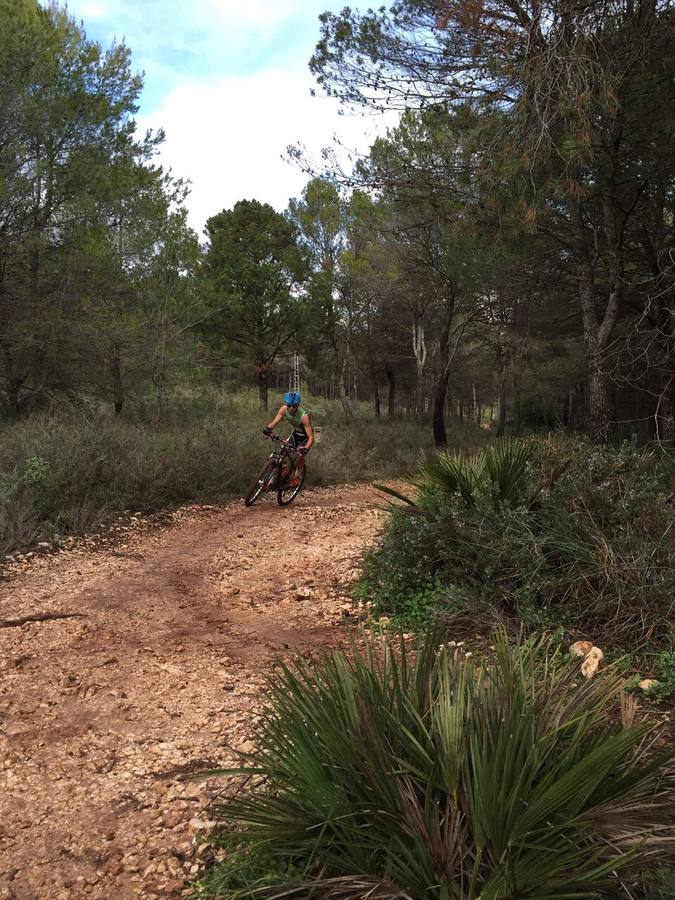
[{"x": 101, "y": 716}]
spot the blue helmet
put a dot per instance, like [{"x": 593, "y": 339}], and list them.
[{"x": 292, "y": 398}]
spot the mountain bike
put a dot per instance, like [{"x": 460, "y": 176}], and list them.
[{"x": 277, "y": 474}]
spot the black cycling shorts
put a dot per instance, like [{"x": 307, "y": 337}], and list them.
[{"x": 298, "y": 439}]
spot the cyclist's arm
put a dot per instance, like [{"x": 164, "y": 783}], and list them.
[
  {"x": 309, "y": 431},
  {"x": 279, "y": 416}
]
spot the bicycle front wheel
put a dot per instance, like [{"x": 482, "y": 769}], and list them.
[
  {"x": 285, "y": 494},
  {"x": 262, "y": 481}
]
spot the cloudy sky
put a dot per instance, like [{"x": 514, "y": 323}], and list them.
[{"x": 228, "y": 81}]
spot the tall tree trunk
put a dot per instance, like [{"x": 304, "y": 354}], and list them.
[
  {"x": 420, "y": 352},
  {"x": 569, "y": 412},
  {"x": 263, "y": 387},
  {"x": 159, "y": 369},
  {"x": 344, "y": 387},
  {"x": 598, "y": 387},
  {"x": 501, "y": 421},
  {"x": 445, "y": 361},
  {"x": 438, "y": 413},
  {"x": 597, "y": 333},
  {"x": 517, "y": 406},
  {"x": 502, "y": 368},
  {"x": 12, "y": 381},
  {"x": 391, "y": 391},
  {"x": 14, "y": 394},
  {"x": 117, "y": 382},
  {"x": 376, "y": 400}
]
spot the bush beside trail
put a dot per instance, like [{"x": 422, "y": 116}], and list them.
[
  {"x": 401, "y": 772},
  {"x": 548, "y": 532}
]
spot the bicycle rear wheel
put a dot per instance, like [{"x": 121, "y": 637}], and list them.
[
  {"x": 261, "y": 481},
  {"x": 286, "y": 495}
]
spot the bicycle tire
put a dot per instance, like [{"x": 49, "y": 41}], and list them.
[
  {"x": 257, "y": 486},
  {"x": 284, "y": 497}
]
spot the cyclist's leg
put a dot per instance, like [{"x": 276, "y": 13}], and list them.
[
  {"x": 288, "y": 489},
  {"x": 298, "y": 439}
]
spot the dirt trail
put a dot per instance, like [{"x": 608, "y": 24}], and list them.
[{"x": 101, "y": 716}]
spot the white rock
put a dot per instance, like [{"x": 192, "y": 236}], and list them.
[
  {"x": 205, "y": 825},
  {"x": 592, "y": 662}
]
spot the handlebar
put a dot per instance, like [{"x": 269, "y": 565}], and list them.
[{"x": 274, "y": 437}]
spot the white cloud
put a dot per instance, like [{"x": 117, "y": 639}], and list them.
[
  {"x": 228, "y": 137},
  {"x": 266, "y": 14},
  {"x": 228, "y": 82},
  {"x": 90, "y": 9}
]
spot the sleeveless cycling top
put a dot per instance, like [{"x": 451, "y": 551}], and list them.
[{"x": 296, "y": 420}]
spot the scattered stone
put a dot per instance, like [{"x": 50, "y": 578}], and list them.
[
  {"x": 202, "y": 825},
  {"x": 593, "y": 657},
  {"x": 141, "y": 689},
  {"x": 592, "y": 662},
  {"x": 647, "y": 684}
]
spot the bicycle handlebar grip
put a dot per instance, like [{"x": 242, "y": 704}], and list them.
[{"x": 267, "y": 431}]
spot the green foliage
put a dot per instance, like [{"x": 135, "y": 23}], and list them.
[
  {"x": 243, "y": 870},
  {"x": 655, "y": 884},
  {"x": 454, "y": 474},
  {"x": 663, "y": 665},
  {"x": 413, "y": 774},
  {"x": 35, "y": 472},
  {"x": 501, "y": 470},
  {"x": 584, "y": 540},
  {"x": 253, "y": 271},
  {"x": 86, "y": 216},
  {"x": 402, "y": 567}
]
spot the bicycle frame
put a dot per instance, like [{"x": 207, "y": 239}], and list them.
[
  {"x": 286, "y": 450},
  {"x": 274, "y": 475}
]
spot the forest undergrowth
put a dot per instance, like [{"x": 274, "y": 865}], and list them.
[
  {"x": 546, "y": 534},
  {"x": 73, "y": 468}
]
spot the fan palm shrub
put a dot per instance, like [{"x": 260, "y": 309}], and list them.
[
  {"x": 394, "y": 774},
  {"x": 500, "y": 471},
  {"x": 454, "y": 474}
]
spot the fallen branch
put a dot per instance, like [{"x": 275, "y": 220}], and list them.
[{"x": 42, "y": 617}]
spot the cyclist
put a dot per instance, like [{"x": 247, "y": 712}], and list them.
[{"x": 302, "y": 436}]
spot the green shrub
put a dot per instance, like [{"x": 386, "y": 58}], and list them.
[
  {"x": 656, "y": 884},
  {"x": 561, "y": 533},
  {"x": 416, "y": 775},
  {"x": 663, "y": 670},
  {"x": 244, "y": 869}
]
